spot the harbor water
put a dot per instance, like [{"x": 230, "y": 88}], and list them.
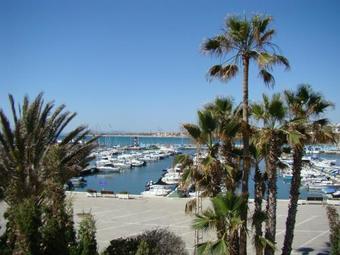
[{"x": 134, "y": 180}]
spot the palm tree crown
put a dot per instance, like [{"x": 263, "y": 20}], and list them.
[
  {"x": 244, "y": 39},
  {"x": 225, "y": 218},
  {"x": 30, "y": 147}
]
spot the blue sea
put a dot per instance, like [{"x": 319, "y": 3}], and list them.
[{"x": 134, "y": 180}]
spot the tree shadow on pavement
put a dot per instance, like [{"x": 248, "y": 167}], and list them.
[{"x": 307, "y": 250}]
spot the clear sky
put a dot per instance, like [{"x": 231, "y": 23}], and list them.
[{"x": 137, "y": 66}]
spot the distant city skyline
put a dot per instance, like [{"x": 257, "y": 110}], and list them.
[{"x": 136, "y": 66}]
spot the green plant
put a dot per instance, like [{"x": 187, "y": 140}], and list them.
[
  {"x": 58, "y": 222},
  {"x": 225, "y": 218},
  {"x": 34, "y": 166},
  {"x": 153, "y": 242},
  {"x": 272, "y": 113},
  {"x": 26, "y": 216},
  {"x": 241, "y": 42},
  {"x": 306, "y": 126},
  {"x": 122, "y": 246},
  {"x": 87, "y": 243},
  {"x": 143, "y": 248},
  {"x": 334, "y": 226}
]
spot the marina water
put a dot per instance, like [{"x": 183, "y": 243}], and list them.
[{"x": 133, "y": 180}]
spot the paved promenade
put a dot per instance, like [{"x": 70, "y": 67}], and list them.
[
  {"x": 121, "y": 218},
  {"x": 126, "y": 217}
]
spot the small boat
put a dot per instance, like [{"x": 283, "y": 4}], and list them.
[
  {"x": 321, "y": 185},
  {"x": 108, "y": 168},
  {"x": 122, "y": 165},
  {"x": 150, "y": 184},
  {"x": 137, "y": 163},
  {"x": 312, "y": 150},
  {"x": 336, "y": 194},
  {"x": 77, "y": 181},
  {"x": 287, "y": 176},
  {"x": 157, "y": 190},
  {"x": 172, "y": 178},
  {"x": 328, "y": 190}
]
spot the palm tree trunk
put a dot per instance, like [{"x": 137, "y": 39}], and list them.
[
  {"x": 258, "y": 196},
  {"x": 230, "y": 181},
  {"x": 293, "y": 203},
  {"x": 272, "y": 190},
  {"x": 234, "y": 243},
  {"x": 246, "y": 159}
]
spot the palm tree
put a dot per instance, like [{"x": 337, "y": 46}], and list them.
[
  {"x": 228, "y": 120},
  {"x": 305, "y": 109},
  {"x": 272, "y": 113},
  {"x": 242, "y": 41},
  {"x": 225, "y": 218},
  {"x": 259, "y": 216},
  {"x": 32, "y": 161},
  {"x": 209, "y": 170}
]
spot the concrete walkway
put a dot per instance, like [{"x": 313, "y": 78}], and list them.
[{"x": 127, "y": 217}]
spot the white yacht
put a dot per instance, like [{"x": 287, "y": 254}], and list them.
[
  {"x": 172, "y": 178},
  {"x": 121, "y": 164},
  {"x": 137, "y": 163},
  {"x": 108, "y": 168},
  {"x": 322, "y": 184},
  {"x": 156, "y": 190},
  {"x": 77, "y": 181}
]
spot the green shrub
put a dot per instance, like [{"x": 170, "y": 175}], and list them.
[
  {"x": 4, "y": 248},
  {"x": 122, "y": 246},
  {"x": 143, "y": 248},
  {"x": 87, "y": 243},
  {"x": 58, "y": 228},
  {"x": 27, "y": 222},
  {"x": 334, "y": 225},
  {"x": 154, "y": 242}
]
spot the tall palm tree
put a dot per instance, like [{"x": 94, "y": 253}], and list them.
[
  {"x": 205, "y": 173},
  {"x": 225, "y": 218},
  {"x": 259, "y": 216},
  {"x": 203, "y": 134},
  {"x": 228, "y": 120},
  {"x": 242, "y": 41},
  {"x": 32, "y": 159},
  {"x": 272, "y": 113},
  {"x": 306, "y": 108}
]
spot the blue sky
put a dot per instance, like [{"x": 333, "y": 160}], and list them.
[{"x": 137, "y": 66}]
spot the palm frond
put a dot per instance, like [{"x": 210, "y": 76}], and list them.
[
  {"x": 217, "y": 45},
  {"x": 204, "y": 248},
  {"x": 206, "y": 121},
  {"x": 223, "y": 73},
  {"x": 267, "y": 77},
  {"x": 281, "y": 60},
  {"x": 205, "y": 221},
  {"x": 193, "y": 130}
]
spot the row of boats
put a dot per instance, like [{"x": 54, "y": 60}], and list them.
[
  {"x": 317, "y": 174},
  {"x": 166, "y": 184},
  {"x": 115, "y": 160},
  {"x": 326, "y": 149}
]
